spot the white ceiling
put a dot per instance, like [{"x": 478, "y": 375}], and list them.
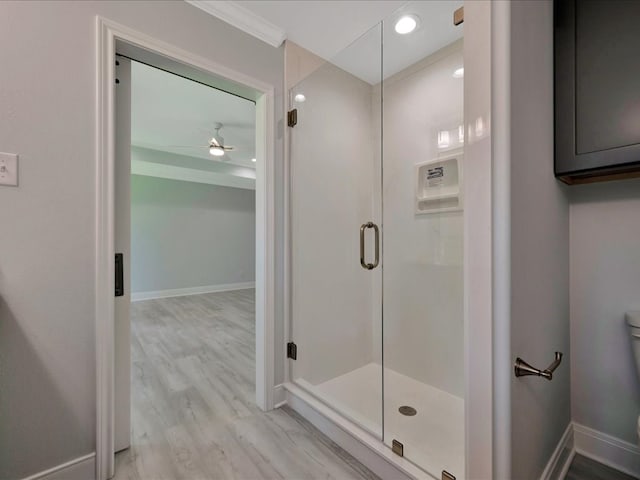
[
  {"x": 346, "y": 32},
  {"x": 176, "y": 115},
  {"x": 324, "y": 27},
  {"x": 168, "y": 111},
  {"x": 364, "y": 57}
]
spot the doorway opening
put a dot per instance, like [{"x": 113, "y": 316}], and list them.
[
  {"x": 119, "y": 48},
  {"x": 185, "y": 236}
]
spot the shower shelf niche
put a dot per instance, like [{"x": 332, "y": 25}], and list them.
[{"x": 439, "y": 185}]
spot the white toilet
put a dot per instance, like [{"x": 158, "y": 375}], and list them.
[{"x": 633, "y": 320}]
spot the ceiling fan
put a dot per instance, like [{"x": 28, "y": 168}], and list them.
[
  {"x": 217, "y": 148},
  {"x": 216, "y": 145}
]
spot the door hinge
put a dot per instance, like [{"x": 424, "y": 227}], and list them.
[
  {"x": 447, "y": 476},
  {"x": 292, "y": 351},
  {"x": 119, "y": 274},
  {"x": 397, "y": 447},
  {"x": 292, "y": 117},
  {"x": 458, "y": 16}
]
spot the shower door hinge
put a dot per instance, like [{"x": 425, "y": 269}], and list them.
[
  {"x": 397, "y": 447},
  {"x": 292, "y": 351},
  {"x": 458, "y": 16},
  {"x": 447, "y": 476},
  {"x": 292, "y": 117}
]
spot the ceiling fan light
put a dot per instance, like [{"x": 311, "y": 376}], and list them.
[{"x": 216, "y": 151}]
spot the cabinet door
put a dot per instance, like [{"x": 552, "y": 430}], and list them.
[{"x": 597, "y": 80}]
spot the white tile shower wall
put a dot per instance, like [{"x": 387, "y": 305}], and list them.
[
  {"x": 332, "y": 184},
  {"x": 605, "y": 283},
  {"x": 423, "y": 275}
]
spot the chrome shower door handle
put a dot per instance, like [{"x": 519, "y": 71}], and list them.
[
  {"x": 376, "y": 230},
  {"x": 364, "y": 264}
]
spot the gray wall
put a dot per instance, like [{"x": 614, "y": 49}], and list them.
[
  {"x": 605, "y": 283},
  {"x": 47, "y": 240},
  {"x": 539, "y": 246},
  {"x": 187, "y": 234}
]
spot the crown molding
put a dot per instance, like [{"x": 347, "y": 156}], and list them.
[{"x": 243, "y": 19}]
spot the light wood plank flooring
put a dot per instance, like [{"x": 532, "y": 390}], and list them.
[
  {"x": 193, "y": 410},
  {"x": 583, "y": 468}
]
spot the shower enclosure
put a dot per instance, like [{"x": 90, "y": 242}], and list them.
[{"x": 376, "y": 216}]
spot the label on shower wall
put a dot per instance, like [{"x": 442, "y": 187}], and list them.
[{"x": 435, "y": 176}]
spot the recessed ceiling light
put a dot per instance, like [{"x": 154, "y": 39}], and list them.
[
  {"x": 299, "y": 98},
  {"x": 253, "y": 160},
  {"x": 458, "y": 73},
  {"x": 406, "y": 24},
  {"x": 216, "y": 151}
]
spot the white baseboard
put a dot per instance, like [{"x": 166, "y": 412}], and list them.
[
  {"x": 279, "y": 396},
  {"x": 611, "y": 451},
  {"x": 560, "y": 460},
  {"x": 363, "y": 446},
  {"x": 180, "y": 292},
  {"x": 81, "y": 468}
]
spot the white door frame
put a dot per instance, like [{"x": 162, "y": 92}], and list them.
[{"x": 108, "y": 33}]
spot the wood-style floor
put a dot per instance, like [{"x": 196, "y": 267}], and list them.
[
  {"x": 583, "y": 468},
  {"x": 193, "y": 409}
]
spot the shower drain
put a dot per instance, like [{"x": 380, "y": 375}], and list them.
[{"x": 407, "y": 410}]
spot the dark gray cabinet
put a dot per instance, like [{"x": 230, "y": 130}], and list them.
[{"x": 597, "y": 89}]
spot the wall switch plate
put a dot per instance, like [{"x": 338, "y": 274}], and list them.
[{"x": 9, "y": 169}]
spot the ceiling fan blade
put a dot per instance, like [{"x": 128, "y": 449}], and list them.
[
  {"x": 228, "y": 148},
  {"x": 185, "y": 146}
]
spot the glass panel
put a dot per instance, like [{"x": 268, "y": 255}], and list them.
[
  {"x": 423, "y": 238},
  {"x": 335, "y": 188}
]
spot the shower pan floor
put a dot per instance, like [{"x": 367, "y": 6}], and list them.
[{"x": 433, "y": 439}]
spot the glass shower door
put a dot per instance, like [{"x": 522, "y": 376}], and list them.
[
  {"x": 423, "y": 238},
  {"x": 335, "y": 209},
  {"x": 377, "y": 234}
]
